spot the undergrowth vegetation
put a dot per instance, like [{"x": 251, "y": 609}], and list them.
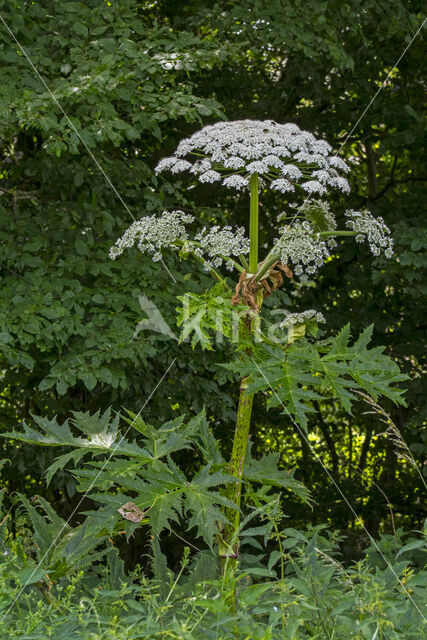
[
  {"x": 291, "y": 584},
  {"x": 58, "y": 581}
]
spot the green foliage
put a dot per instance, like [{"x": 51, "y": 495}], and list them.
[
  {"x": 209, "y": 315},
  {"x": 143, "y": 473},
  {"x": 49, "y": 551},
  {"x": 303, "y": 372},
  {"x": 296, "y": 586},
  {"x": 111, "y": 80},
  {"x": 68, "y": 315},
  {"x": 267, "y": 473}
]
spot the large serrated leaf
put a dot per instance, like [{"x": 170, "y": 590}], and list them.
[
  {"x": 266, "y": 472},
  {"x": 301, "y": 373}
]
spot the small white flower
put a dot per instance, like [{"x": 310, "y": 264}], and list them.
[
  {"x": 291, "y": 171},
  {"x": 293, "y": 319},
  {"x": 234, "y": 163},
  {"x": 210, "y": 176},
  {"x": 322, "y": 176},
  {"x": 257, "y": 167},
  {"x": 183, "y": 148},
  {"x": 180, "y": 165},
  {"x": 282, "y": 152},
  {"x": 338, "y": 163},
  {"x": 340, "y": 183},
  {"x": 201, "y": 166},
  {"x": 312, "y": 158},
  {"x": 330, "y": 177},
  {"x": 166, "y": 163},
  {"x": 321, "y": 146},
  {"x": 236, "y": 182},
  {"x": 313, "y": 186},
  {"x": 282, "y": 185},
  {"x": 273, "y": 161}
]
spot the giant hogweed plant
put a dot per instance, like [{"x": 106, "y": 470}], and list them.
[
  {"x": 137, "y": 481},
  {"x": 256, "y": 156}
]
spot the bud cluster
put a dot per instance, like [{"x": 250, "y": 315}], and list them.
[{"x": 317, "y": 212}]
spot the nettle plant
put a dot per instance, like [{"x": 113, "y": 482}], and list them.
[{"x": 137, "y": 482}]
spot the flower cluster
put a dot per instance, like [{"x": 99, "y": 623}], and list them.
[
  {"x": 151, "y": 234},
  {"x": 217, "y": 244},
  {"x": 301, "y": 246},
  {"x": 293, "y": 319},
  {"x": 374, "y": 230},
  {"x": 283, "y": 154}
]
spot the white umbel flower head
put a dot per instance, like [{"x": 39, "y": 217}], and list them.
[
  {"x": 219, "y": 243},
  {"x": 153, "y": 233},
  {"x": 282, "y": 154},
  {"x": 214, "y": 246},
  {"x": 374, "y": 230},
  {"x": 301, "y": 246},
  {"x": 314, "y": 186},
  {"x": 210, "y": 176},
  {"x": 294, "y": 319}
]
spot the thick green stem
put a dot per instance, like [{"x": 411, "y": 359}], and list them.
[
  {"x": 253, "y": 225},
  {"x": 240, "y": 444},
  {"x": 230, "y": 547},
  {"x": 267, "y": 264},
  {"x": 326, "y": 234}
]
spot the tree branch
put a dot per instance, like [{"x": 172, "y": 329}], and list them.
[
  {"x": 371, "y": 159},
  {"x": 328, "y": 438}
]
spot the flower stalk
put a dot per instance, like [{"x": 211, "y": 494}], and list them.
[
  {"x": 253, "y": 225},
  {"x": 244, "y": 410},
  {"x": 240, "y": 444}
]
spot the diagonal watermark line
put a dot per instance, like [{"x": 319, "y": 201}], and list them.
[
  {"x": 55, "y": 100},
  {"x": 354, "y": 127},
  {"x": 358, "y": 518},
  {"x": 169, "y": 272},
  {"x": 107, "y": 178},
  {"x": 90, "y": 487},
  {"x": 383, "y": 84}
]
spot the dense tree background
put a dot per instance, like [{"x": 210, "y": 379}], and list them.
[{"x": 133, "y": 77}]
